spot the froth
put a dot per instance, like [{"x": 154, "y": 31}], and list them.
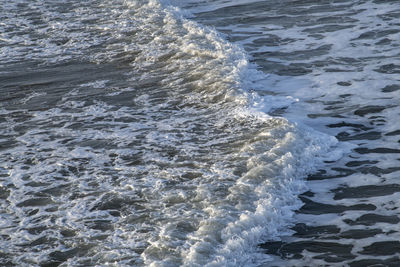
[{"x": 189, "y": 171}]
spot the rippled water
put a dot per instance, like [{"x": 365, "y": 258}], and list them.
[
  {"x": 341, "y": 60},
  {"x": 133, "y": 133}
]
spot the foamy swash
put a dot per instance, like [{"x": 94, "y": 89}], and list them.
[{"x": 163, "y": 156}]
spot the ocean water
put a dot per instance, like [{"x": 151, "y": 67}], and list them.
[{"x": 199, "y": 133}]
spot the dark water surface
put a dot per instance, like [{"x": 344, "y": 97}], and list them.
[
  {"x": 131, "y": 135},
  {"x": 341, "y": 59}
]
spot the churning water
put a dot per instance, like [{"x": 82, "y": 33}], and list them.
[{"x": 154, "y": 133}]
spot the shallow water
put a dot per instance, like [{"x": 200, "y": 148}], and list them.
[
  {"x": 341, "y": 60},
  {"x": 132, "y": 134}
]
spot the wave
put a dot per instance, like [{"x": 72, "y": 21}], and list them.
[{"x": 191, "y": 170}]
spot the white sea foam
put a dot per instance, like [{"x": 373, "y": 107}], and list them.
[
  {"x": 357, "y": 71},
  {"x": 191, "y": 172}
]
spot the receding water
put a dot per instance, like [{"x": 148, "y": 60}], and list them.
[{"x": 340, "y": 59}]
